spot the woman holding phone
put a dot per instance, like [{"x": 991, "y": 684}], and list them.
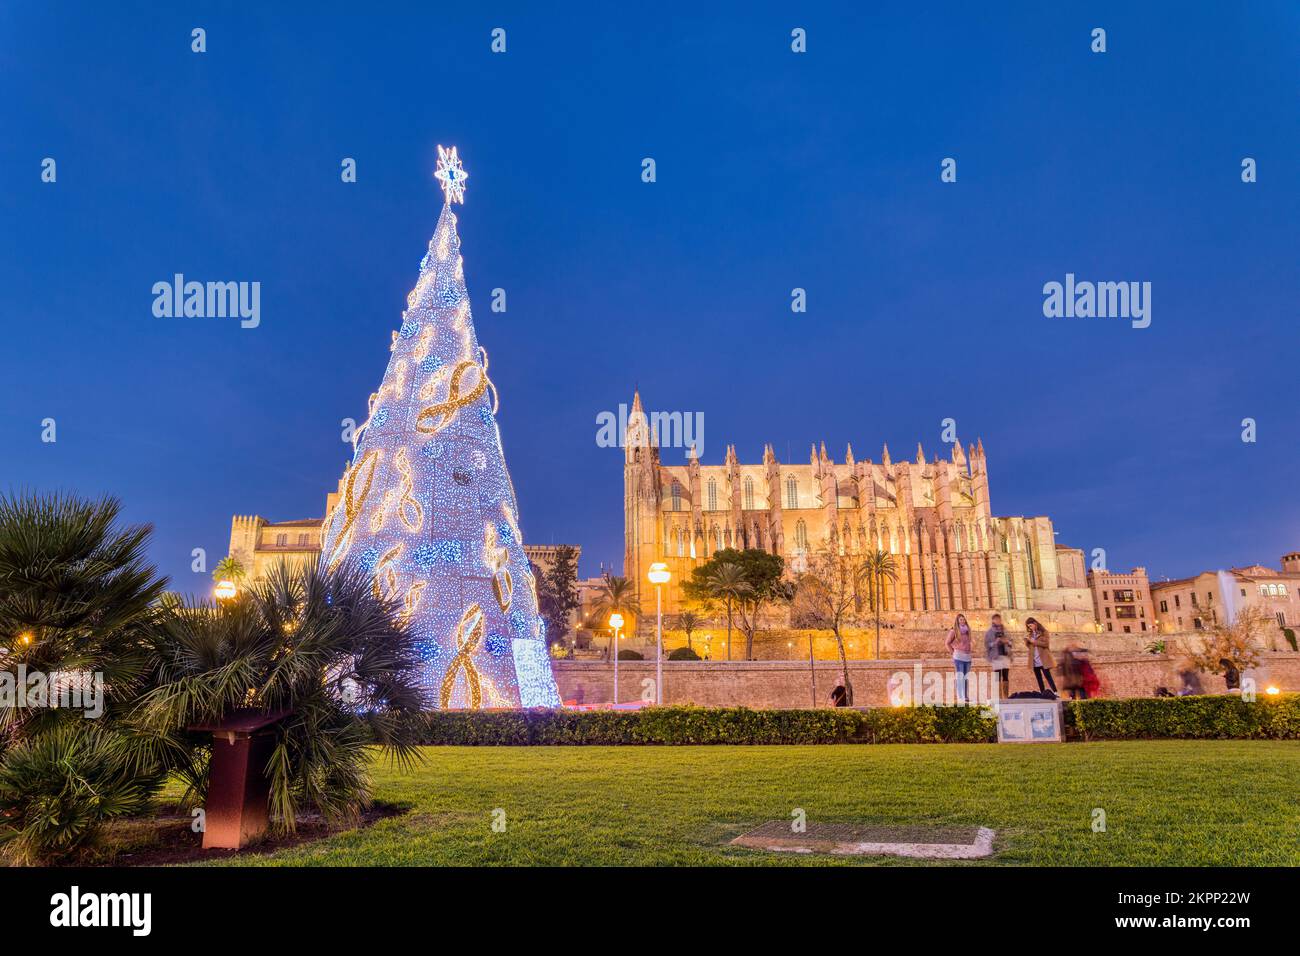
[{"x": 1040, "y": 654}]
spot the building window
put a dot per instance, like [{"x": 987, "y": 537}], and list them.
[
  {"x": 681, "y": 548},
  {"x": 1164, "y": 607},
  {"x": 749, "y": 493},
  {"x": 281, "y": 540},
  {"x": 1178, "y": 603},
  {"x": 713, "y": 495},
  {"x": 791, "y": 493},
  {"x": 801, "y": 535},
  {"x": 304, "y": 540}
]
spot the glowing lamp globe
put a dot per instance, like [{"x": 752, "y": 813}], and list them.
[
  {"x": 659, "y": 573},
  {"x": 1272, "y": 691},
  {"x": 224, "y": 590},
  {"x": 616, "y": 621}
]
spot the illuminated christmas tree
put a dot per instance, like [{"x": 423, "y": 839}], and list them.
[{"x": 427, "y": 506}]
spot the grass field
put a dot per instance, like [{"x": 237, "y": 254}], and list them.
[{"x": 1166, "y": 803}]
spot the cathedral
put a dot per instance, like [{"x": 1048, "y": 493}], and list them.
[{"x": 935, "y": 517}]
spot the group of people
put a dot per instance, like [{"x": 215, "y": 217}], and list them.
[{"x": 1077, "y": 674}]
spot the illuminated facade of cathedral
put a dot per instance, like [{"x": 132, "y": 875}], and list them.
[{"x": 934, "y": 517}]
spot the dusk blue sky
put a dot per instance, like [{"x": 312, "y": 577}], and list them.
[{"x": 775, "y": 170}]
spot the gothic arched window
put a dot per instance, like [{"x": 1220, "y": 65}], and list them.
[
  {"x": 791, "y": 493},
  {"x": 749, "y": 493},
  {"x": 713, "y": 495},
  {"x": 677, "y": 495},
  {"x": 801, "y": 535}
]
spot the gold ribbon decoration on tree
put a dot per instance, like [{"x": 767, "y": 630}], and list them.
[
  {"x": 411, "y": 602},
  {"x": 406, "y": 503},
  {"x": 353, "y": 503},
  {"x": 385, "y": 574},
  {"x": 439, "y": 415},
  {"x": 469, "y": 634}
]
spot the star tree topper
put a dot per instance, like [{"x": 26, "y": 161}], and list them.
[{"x": 452, "y": 175}]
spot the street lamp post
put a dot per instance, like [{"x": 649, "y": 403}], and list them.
[
  {"x": 615, "y": 621},
  {"x": 659, "y": 577}
]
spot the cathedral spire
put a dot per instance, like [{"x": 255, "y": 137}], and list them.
[
  {"x": 920, "y": 454},
  {"x": 884, "y": 456}
]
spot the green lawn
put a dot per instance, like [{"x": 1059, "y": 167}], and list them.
[{"x": 1166, "y": 803}]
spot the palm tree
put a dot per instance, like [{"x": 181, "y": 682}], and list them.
[
  {"x": 727, "y": 583},
  {"x": 228, "y": 569},
  {"x": 879, "y": 566},
  {"x": 689, "y": 622},
  {"x": 77, "y": 597},
  {"x": 316, "y": 645},
  {"x": 615, "y": 595}
]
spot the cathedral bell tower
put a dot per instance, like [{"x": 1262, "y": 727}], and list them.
[{"x": 642, "y": 530}]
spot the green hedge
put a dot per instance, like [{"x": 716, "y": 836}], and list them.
[
  {"x": 1222, "y": 717},
  {"x": 1201, "y": 718},
  {"x": 708, "y": 725}
]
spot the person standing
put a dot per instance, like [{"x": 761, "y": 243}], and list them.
[
  {"x": 998, "y": 651},
  {"x": 1040, "y": 657},
  {"x": 959, "y": 644},
  {"x": 1072, "y": 661}
]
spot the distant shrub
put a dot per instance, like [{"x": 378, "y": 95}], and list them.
[
  {"x": 683, "y": 654},
  {"x": 627, "y": 655}
]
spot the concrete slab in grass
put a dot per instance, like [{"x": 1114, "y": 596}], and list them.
[{"x": 843, "y": 839}]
